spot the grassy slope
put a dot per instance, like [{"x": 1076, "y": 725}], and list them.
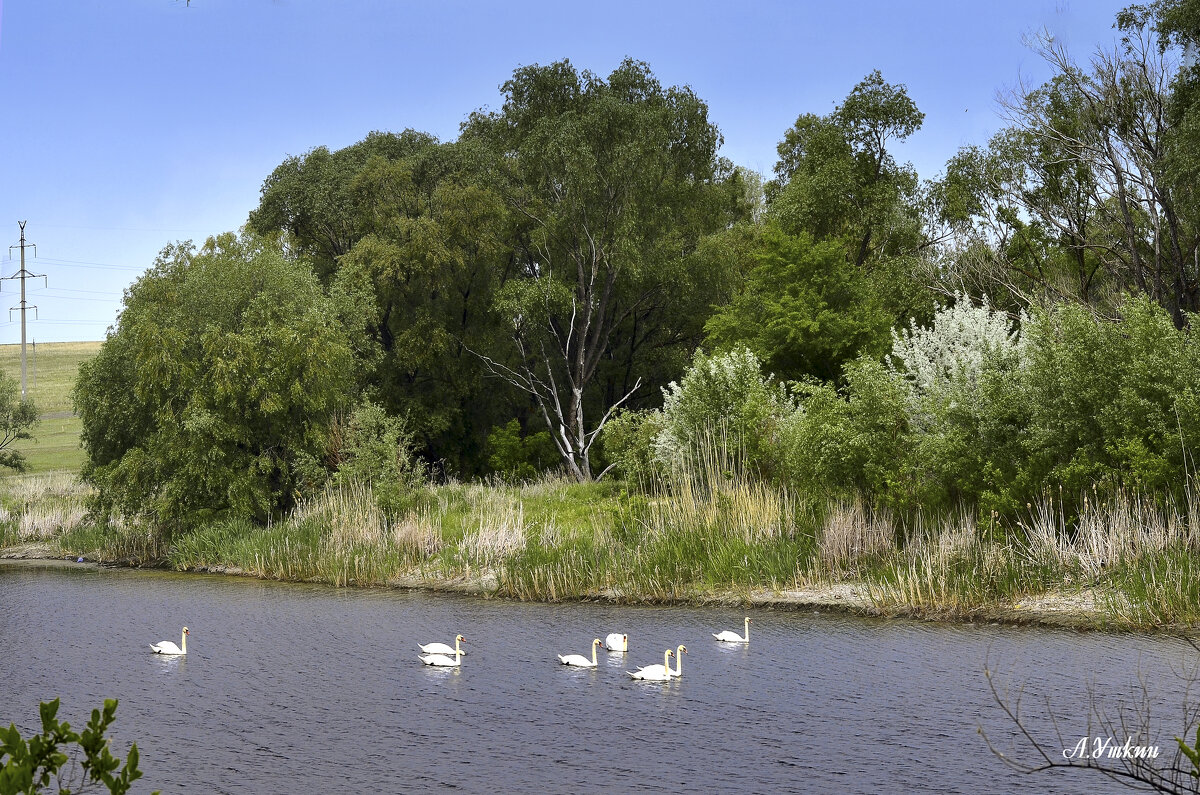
[{"x": 51, "y": 375}]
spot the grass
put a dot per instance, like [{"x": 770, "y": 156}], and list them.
[
  {"x": 698, "y": 539},
  {"x": 50, "y": 376},
  {"x": 709, "y": 533}
]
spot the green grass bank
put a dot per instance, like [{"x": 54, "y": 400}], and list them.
[{"x": 1127, "y": 563}]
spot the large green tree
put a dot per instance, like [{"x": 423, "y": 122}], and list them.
[
  {"x": 612, "y": 181},
  {"x": 409, "y": 223},
  {"x": 315, "y": 200},
  {"x": 836, "y": 261},
  {"x": 804, "y": 309},
  {"x": 837, "y": 179},
  {"x": 214, "y": 392}
]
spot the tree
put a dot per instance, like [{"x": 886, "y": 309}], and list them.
[
  {"x": 30, "y": 765},
  {"x": 1093, "y": 182},
  {"x": 836, "y": 179},
  {"x": 803, "y": 309},
  {"x": 407, "y": 223},
  {"x": 214, "y": 393},
  {"x": 17, "y": 416},
  {"x": 837, "y": 189},
  {"x": 312, "y": 197},
  {"x": 613, "y": 182}
]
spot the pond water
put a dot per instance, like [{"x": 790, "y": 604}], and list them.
[{"x": 303, "y": 688}]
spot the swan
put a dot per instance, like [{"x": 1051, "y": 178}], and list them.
[
  {"x": 655, "y": 673},
  {"x": 443, "y": 661},
  {"x": 617, "y": 642},
  {"x": 167, "y": 647},
  {"x": 442, "y": 648},
  {"x": 682, "y": 650},
  {"x": 729, "y": 636},
  {"x": 579, "y": 660}
]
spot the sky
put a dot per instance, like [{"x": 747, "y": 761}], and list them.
[{"x": 133, "y": 124}]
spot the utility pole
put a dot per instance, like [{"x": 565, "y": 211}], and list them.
[{"x": 23, "y": 275}]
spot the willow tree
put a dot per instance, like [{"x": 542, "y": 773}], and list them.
[
  {"x": 214, "y": 393},
  {"x": 612, "y": 183}
]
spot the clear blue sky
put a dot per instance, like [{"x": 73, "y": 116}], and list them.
[{"x": 135, "y": 123}]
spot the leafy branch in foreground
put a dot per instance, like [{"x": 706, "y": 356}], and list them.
[
  {"x": 31, "y": 765},
  {"x": 1133, "y": 763}
]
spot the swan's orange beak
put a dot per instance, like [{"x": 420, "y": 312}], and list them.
[{"x": 185, "y": 632}]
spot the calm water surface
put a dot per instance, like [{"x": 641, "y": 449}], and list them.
[{"x": 296, "y": 688}]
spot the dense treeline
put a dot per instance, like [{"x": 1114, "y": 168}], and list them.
[{"x": 580, "y": 281}]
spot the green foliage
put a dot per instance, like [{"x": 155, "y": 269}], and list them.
[
  {"x": 517, "y": 458},
  {"x": 1090, "y": 193},
  {"x": 413, "y": 244},
  {"x": 613, "y": 182},
  {"x": 835, "y": 178},
  {"x": 1192, "y": 752},
  {"x": 629, "y": 444},
  {"x": 220, "y": 379},
  {"x": 312, "y": 198},
  {"x": 1112, "y": 402},
  {"x": 968, "y": 412},
  {"x": 17, "y": 416},
  {"x": 840, "y": 444},
  {"x": 375, "y": 449},
  {"x": 723, "y": 403},
  {"x": 804, "y": 309},
  {"x": 36, "y": 764}
]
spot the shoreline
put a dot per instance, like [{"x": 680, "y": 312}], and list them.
[{"x": 1059, "y": 609}]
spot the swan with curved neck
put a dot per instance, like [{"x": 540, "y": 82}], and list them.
[
  {"x": 442, "y": 661},
  {"x": 655, "y": 673},
  {"x": 442, "y": 648},
  {"x": 579, "y": 660},
  {"x": 682, "y": 650},
  {"x": 167, "y": 647},
  {"x": 617, "y": 642},
  {"x": 729, "y": 636}
]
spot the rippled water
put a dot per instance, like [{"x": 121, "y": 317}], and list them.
[{"x": 296, "y": 688}]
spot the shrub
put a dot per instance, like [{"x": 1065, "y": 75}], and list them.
[
  {"x": 724, "y": 396},
  {"x": 220, "y": 378},
  {"x": 29, "y": 766},
  {"x": 628, "y": 440},
  {"x": 514, "y": 457},
  {"x": 376, "y": 450}
]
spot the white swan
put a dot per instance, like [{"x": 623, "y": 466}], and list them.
[
  {"x": 682, "y": 650},
  {"x": 579, "y": 660},
  {"x": 729, "y": 636},
  {"x": 443, "y": 661},
  {"x": 167, "y": 647},
  {"x": 617, "y": 642},
  {"x": 442, "y": 648},
  {"x": 655, "y": 673}
]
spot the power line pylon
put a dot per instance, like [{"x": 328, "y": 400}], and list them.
[{"x": 23, "y": 275}]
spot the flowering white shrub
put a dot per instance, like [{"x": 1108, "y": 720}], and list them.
[
  {"x": 953, "y": 350},
  {"x": 725, "y": 398}
]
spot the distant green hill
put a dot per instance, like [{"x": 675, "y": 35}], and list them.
[{"x": 51, "y": 369}]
